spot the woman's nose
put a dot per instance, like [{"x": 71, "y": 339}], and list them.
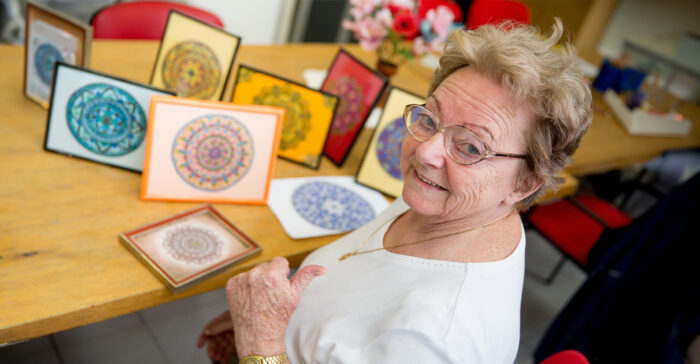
[{"x": 432, "y": 151}]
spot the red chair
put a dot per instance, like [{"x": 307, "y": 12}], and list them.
[
  {"x": 573, "y": 225},
  {"x": 566, "y": 357},
  {"x": 495, "y": 11},
  {"x": 142, "y": 19}
]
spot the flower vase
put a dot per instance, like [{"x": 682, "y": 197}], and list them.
[{"x": 388, "y": 59}]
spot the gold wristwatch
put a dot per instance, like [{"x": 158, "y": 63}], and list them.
[{"x": 257, "y": 359}]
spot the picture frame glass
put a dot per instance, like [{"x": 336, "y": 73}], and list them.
[
  {"x": 308, "y": 112},
  {"x": 194, "y": 59},
  {"x": 189, "y": 247},
  {"x": 51, "y": 37},
  {"x": 359, "y": 88},
  {"x": 381, "y": 166},
  {"x": 210, "y": 151},
  {"x": 98, "y": 117}
]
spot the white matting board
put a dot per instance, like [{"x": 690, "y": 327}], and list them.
[{"x": 317, "y": 206}]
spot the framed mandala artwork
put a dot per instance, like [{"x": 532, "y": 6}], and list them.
[
  {"x": 185, "y": 249},
  {"x": 359, "y": 89},
  {"x": 381, "y": 166},
  {"x": 194, "y": 59},
  {"x": 98, "y": 117},
  {"x": 308, "y": 115},
  {"x": 51, "y": 37},
  {"x": 210, "y": 151},
  {"x": 315, "y": 206}
]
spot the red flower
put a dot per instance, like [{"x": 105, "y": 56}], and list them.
[{"x": 406, "y": 25}]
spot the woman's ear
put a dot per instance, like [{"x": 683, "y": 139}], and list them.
[{"x": 526, "y": 184}]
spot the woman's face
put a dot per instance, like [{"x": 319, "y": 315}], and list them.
[{"x": 436, "y": 185}]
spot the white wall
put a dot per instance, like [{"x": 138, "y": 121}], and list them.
[
  {"x": 257, "y": 21},
  {"x": 648, "y": 17}
]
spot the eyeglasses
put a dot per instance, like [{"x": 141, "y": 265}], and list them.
[{"x": 462, "y": 144}]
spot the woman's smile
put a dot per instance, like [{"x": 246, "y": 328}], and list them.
[{"x": 429, "y": 182}]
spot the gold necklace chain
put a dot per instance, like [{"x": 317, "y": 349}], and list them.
[{"x": 357, "y": 252}]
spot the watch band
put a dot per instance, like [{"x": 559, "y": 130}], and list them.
[{"x": 257, "y": 359}]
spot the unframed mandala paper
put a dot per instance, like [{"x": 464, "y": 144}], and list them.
[{"x": 317, "y": 206}]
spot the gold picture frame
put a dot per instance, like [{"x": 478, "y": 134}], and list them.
[{"x": 51, "y": 36}]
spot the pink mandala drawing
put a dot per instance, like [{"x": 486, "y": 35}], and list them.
[{"x": 212, "y": 152}]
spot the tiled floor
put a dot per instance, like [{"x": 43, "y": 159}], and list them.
[{"x": 168, "y": 333}]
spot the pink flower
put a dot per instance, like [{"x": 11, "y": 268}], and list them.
[
  {"x": 441, "y": 18},
  {"x": 419, "y": 46},
  {"x": 362, "y": 8},
  {"x": 370, "y": 32},
  {"x": 385, "y": 17}
]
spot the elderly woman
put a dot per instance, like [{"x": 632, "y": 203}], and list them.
[{"x": 438, "y": 276}]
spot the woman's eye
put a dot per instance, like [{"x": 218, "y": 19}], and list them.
[
  {"x": 469, "y": 149},
  {"x": 428, "y": 122}
]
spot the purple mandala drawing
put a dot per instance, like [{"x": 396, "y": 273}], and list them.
[
  {"x": 351, "y": 105},
  {"x": 212, "y": 152},
  {"x": 389, "y": 147},
  {"x": 192, "y": 244}
]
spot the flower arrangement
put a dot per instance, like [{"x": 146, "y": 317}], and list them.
[{"x": 399, "y": 29}]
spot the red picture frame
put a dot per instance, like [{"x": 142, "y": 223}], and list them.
[{"x": 359, "y": 88}]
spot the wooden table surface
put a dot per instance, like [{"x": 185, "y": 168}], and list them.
[{"x": 61, "y": 261}]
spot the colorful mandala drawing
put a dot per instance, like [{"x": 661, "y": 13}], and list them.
[
  {"x": 106, "y": 119},
  {"x": 297, "y": 118},
  {"x": 350, "y": 107},
  {"x": 191, "y": 69},
  {"x": 45, "y": 58},
  {"x": 389, "y": 147},
  {"x": 192, "y": 244},
  {"x": 212, "y": 152},
  {"x": 331, "y": 206}
]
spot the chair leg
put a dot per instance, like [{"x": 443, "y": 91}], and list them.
[{"x": 555, "y": 270}]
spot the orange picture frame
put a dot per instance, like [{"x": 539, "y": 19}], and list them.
[{"x": 210, "y": 151}]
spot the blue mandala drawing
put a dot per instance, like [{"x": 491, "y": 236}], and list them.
[
  {"x": 106, "y": 119},
  {"x": 389, "y": 147},
  {"x": 331, "y": 206},
  {"x": 45, "y": 58}
]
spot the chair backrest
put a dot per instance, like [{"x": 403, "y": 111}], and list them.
[
  {"x": 142, "y": 19},
  {"x": 495, "y": 11},
  {"x": 566, "y": 357}
]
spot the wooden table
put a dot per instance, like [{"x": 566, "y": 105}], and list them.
[{"x": 61, "y": 261}]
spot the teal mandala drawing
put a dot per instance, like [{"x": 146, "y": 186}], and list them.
[
  {"x": 45, "y": 59},
  {"x": 106, "y": 119}
]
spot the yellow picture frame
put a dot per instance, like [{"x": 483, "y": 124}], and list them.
[
  {"x": 308, "y": 117},
  {"x": 195, "y": 59},
  {"x": 380, "y": 167}
]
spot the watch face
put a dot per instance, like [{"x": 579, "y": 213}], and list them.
[{"x": 253, "y": 360}]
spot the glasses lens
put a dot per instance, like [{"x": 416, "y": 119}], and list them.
[
  {"x": 463, "y": 145},
  {"x": 420, "y": 123}
]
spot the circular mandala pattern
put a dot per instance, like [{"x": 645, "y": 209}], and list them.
[
  {"x": 45, "y": 58},
  {"x": 212, "y": 152},
  {"x": 389, "y": 147},
  {"x": 192, "y": 244},
  {"x": 350, "y": 107},
  {"x": 191, "y": 69},
  {"x": 331, "y": 206},
  {"x": 106, "y": 119},
  {"x": 297, "y": 118}
]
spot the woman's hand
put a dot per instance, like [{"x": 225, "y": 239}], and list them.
[
  {"x": 218, "y": 335},
  {"x": 262, "y": 301}
]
